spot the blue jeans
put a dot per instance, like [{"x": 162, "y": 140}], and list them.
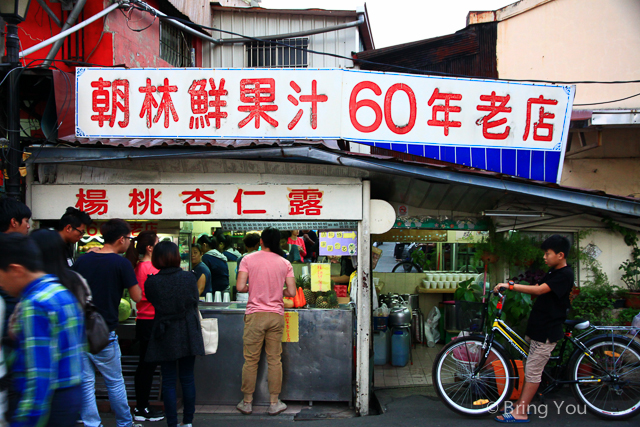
[
  {"x": 66, "y": 404},
  {"x": 109, "y": 365},
  {"x": 169, "y": 378}
]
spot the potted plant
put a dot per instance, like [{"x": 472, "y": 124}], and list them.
[
  {"x": 631, "y": 278},
  {"x": 595, "y": 304},
  {"x": 630, "y": 267},
  {"x": 625, "y": 317},
  {"x": 487, "y": 250},
  {"x": 521, "y": 250}
]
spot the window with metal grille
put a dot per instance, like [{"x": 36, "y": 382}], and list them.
[
  {"x": 267, "y": 54},
  {"x": 175, "y": 46}
]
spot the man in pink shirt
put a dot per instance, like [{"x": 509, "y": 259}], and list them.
[{"x": 268, "y": 272}]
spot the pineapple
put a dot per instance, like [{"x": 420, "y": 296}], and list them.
[
  {"x": 310, "y": 297},
  {"x": 332, "y": 300},
  {"x": 321, "y": 302},
  {"x": 305, "y": 283}
]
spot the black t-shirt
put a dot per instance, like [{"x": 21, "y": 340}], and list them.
[
  {"x": 549, "y": 311},
  {"x": 199, "y": 270},
  {"x": 346, "y": 266},
  {"x": 108, "y": 276}
]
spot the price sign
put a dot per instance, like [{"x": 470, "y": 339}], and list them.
[
  {"x": 320, "y": 277},
  {"x": 291, "y": 327}
]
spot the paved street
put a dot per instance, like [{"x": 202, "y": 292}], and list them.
[{"x": 413, "y": 406}]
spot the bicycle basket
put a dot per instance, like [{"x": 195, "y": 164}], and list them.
[{"x": 470, "y": 316}]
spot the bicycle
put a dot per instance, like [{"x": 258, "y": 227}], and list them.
[
  {"x": 474, "y": 375},
  {"x": 405, "y": 258}
]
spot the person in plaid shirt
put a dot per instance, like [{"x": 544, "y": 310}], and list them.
[{"x": 49, "y": 338}]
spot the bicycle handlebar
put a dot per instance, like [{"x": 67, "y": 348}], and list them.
[{"x": 501, "y": 294}]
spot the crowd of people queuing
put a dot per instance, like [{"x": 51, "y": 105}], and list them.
[{"x": 47, "y": 374}]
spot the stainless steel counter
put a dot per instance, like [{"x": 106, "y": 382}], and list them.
[{"x": 317, "y": 368}]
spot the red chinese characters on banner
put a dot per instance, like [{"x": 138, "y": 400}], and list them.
[
  {"x": 238, "y": 201},
  {"x": 540, "y": 124},
  {"x": 166, "y": 106},
  {"x": 93, "y": 202},
  {"x": 138, "y": 227},
  {"x": 497, "y": 105},
  {"x": 261, "y": 93},
  {"x": 305, "y": 201},
  {"x": 141, "y": 201},
  {"x": 314, "y": 98},
  {"x": 200, "y": 103},
  {"x": 103, "y": 102},
  {"x": 446, "y": 109},
  {"x": 198, "y": 201}
]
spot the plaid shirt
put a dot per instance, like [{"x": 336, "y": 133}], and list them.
[{"x": 49, "y": 340}]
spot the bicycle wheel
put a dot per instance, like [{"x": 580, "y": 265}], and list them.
[
  {"x": 614, "y": 389},
  {"x": 406, "y": 267},
  {"x": 464, "y": 392}
]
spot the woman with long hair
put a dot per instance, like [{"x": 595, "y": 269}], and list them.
[
  {"x": 53, "y": 250},
  {"x": 140, "y": 257},
  {"x": 176, "y": 338}
]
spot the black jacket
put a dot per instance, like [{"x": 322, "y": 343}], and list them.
[{"x": 176, "y": 330}]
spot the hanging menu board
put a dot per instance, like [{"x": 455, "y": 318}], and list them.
[{"x": 338, "y": 243}]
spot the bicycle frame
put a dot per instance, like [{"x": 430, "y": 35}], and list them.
[{"x": 517, "y": 342}]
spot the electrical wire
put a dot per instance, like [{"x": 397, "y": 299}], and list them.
[
  {"x": 143, "y": 6},
  {"x": 607, "y": 102},
  {"x": 128, "y": 19}
]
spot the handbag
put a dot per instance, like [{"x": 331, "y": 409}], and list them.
[
  {"x": 96, "y": 328},
  {"x": 209, "y": 334}
]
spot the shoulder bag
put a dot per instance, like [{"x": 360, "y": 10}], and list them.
[
  {"x": 96, "y": 328},
  {"x": 209, "y": 334},
  {"x": 94, "y": 324}
]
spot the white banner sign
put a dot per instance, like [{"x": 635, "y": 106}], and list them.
[
  {"x": 202, "y": 201},
  {"x": 319, "y": 103}
]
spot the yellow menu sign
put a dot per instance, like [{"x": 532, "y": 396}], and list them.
[
  {"x": 320, "y": 277},
  {"x": 291, "y": 327}
]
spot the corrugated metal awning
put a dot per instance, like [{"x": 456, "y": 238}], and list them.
[
  {"x": 429, "y": 186},
  {"x": 222, "y": 143}
]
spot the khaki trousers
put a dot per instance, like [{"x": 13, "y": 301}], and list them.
[{"x": 259, "y": 329}]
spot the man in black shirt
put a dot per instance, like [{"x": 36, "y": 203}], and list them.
[
  {"x": 72, "y": 226},
  {"x": 548, "y": 313},
  {"x": 108, "y": 274}
]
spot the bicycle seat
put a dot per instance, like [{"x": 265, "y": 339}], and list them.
[{"x": 577, "y": 323}]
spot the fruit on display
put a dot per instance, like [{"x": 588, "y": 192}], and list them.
[
  {"x": 310, "y": 297},
  {"x": 332, "y": 300},
  {"x": 321, "y": 302},
  {"x": 300, "y": 299},
  {"x": 124, "y": 310},
  {"x": 288, "y": 302}
]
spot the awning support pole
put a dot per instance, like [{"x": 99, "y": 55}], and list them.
[{"x": 363, "y": 312}]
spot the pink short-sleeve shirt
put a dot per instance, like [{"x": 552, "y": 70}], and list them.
[{"x": 267, "y": 273}]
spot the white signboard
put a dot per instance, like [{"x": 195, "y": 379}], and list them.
[
  {"x": 409, "y": 113},
  {"x": 202, "y": 201}
]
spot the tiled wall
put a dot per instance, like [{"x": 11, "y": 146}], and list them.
[
  {"x": 399, "y": 283},
  {"x": 406, "y": 283}
]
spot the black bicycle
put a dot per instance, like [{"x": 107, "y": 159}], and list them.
[{"x": 475, "y": 375}]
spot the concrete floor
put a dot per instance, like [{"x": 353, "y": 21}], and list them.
[{"x": 416, "y": 374}]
